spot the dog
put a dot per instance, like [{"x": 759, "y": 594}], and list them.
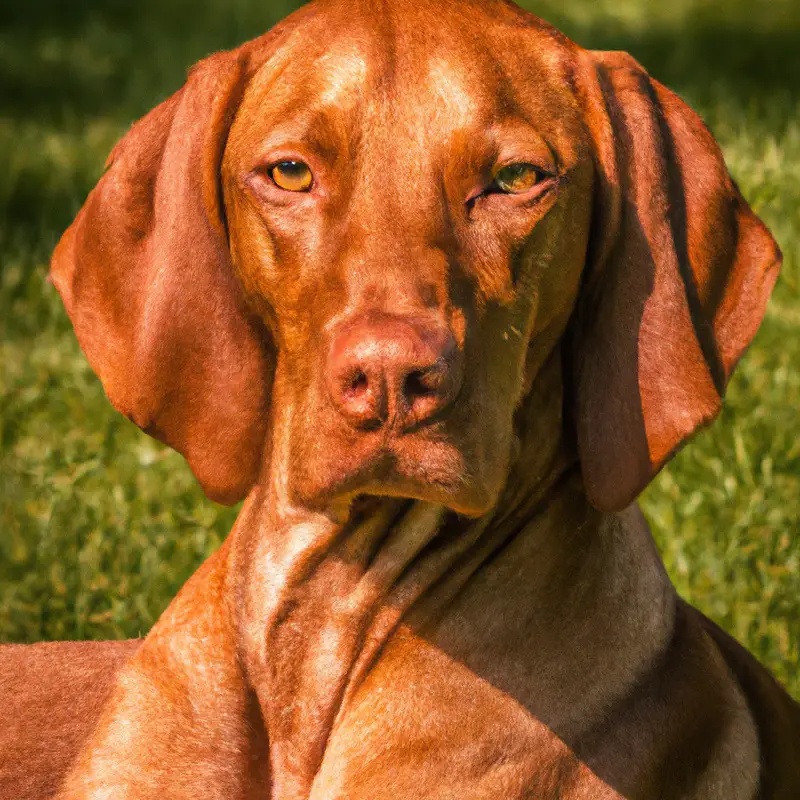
[{"x": 438, "y": 292}]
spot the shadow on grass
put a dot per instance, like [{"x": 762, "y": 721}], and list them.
[
  {"x": 60, "y": 61},
  {"x": 65, "y": 66},
  {"x": 63, "y": 60},
  {"x": 709, "y": 57},
  {"x": 74, "y": 75}
]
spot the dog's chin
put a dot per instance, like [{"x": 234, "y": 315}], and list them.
[{"x": 429, "y": 471}]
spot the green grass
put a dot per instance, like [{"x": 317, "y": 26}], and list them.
[{"x": 101, "y": 525}]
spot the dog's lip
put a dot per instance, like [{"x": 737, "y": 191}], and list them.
[
  {"x": 393, "y": 439},
  {"x": 380, "y": 467}
]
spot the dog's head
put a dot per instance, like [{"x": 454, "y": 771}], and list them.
[{"x": 350, "y": 245}]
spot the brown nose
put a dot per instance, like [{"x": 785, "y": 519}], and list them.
[{"x": 397, "y": 370}]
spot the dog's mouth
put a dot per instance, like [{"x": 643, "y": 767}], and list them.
[{"x": 424, "y": 465}]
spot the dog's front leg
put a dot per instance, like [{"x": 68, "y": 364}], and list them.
[{"x": 181, "y": 721}]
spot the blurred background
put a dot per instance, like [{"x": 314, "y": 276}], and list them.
[{"x": 100, "y": 525}]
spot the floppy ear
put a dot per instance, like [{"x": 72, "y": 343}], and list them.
[
  {"x": 145, "y": 275},
  {"x": 678, "y": 277}
]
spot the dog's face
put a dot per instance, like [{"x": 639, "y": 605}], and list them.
[
  {"x": 344, "y": 251},
  {"x": 409, "y": 211}
]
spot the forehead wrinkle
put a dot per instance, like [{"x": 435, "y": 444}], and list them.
[
  {"x": 475, "y": 114},
  {"x": 471, "y": 92},
  {"x": 465, "y": 76},
  {"x": 310, "y": 99}
]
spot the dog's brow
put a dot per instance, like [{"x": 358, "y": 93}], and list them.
[
  {"x": 449, "y": 85},
  {"x": 343, "y": 74}
]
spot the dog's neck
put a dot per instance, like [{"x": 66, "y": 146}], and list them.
[{"x": 318, "y": 595}]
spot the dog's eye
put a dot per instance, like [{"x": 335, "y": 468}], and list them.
[
  {"x": 292, "y": 176},
  {"x": 516, "y": 178}
]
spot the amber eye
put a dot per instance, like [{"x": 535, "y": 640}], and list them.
[
  {"x": 292, "y": 176},
  {"x": 517, "y": 178}
]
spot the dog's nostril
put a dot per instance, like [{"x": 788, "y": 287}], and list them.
[
  {"x": 392, "y": 369},
  {"x": 360, "y": 394},
  {"x": 358, "y": 384},
  {"x": 420, "y": 383}
]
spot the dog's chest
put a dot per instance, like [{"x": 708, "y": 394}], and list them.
[{"x": 423, "y": 726}]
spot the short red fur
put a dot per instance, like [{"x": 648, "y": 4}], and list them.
[{"x": 440, "y": 399}]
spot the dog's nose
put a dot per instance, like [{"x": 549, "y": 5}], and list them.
[{"x": 400, "y": 371}]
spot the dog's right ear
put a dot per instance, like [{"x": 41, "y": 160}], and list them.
[
  {"x": 146, "y": 277},
  {"x": 677, "y": 285}
]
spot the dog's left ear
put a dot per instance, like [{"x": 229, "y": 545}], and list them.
[
  {"x": 679, "y": 272},
  {"x": 145, "y": 274}
]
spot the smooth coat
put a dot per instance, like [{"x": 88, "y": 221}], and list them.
[{"x": 469, "y": 607}]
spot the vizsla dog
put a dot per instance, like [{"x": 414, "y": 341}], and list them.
[{"x": 439, "y": 292}]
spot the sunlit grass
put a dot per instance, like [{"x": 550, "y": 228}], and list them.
[{"x": 101, "y": 525}]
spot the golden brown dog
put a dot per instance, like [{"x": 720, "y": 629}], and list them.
[{"x": 439, "y": 292}]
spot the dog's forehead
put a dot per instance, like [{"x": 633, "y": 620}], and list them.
[{"x": 423, "y": 68}]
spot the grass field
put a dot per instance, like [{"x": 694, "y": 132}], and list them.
[{"x": 99, "y": 525}]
